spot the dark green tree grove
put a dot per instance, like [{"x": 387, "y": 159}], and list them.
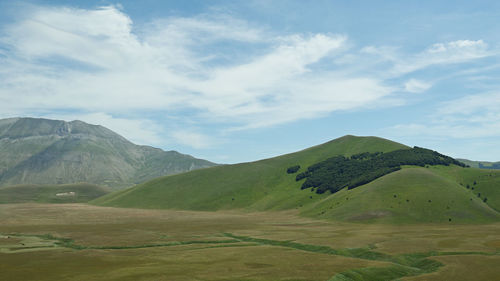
[{"x": 339, "y": 172}]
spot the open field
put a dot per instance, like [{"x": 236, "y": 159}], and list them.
[
  {"x": 55, "y": 193},
  {"x": 82, "y": 242}
]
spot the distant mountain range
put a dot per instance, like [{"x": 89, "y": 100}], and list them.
[
  {"x": 43, "y": 151},
  {"x": 481, "y": 164}
]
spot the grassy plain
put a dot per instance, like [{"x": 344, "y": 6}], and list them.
[
  {"x": 82, "y": 242},
  {"x": 51, "y": 193}
]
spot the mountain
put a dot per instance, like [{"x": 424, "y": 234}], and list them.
[
  {"x": 426, "y": 193},
  {"x": 42, "y": 151},
  {"x": 481, "y": 164}
]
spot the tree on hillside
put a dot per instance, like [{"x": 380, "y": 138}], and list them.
[
  {"x": 339, "y": 172},
  {"x": 293, "y": 169}
]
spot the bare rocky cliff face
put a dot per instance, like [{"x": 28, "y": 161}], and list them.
[{"x": 43, "y": 151}]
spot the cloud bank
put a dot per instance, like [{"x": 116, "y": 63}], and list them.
[
  {"x": 472, "y": 116},
  {"x": 101, "y": 67}
]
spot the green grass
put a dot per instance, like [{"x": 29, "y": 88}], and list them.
[
  {"x": 53, "y": 241},
  {"x": 401, "y": 265},
  {"x": 360, "y": 253},
  {"x": 84, "y": 242},
  {"x": 260, "y": 185},
  {"x": 487, "y": 182},
  {"x": 411, "y": 195},
  {"x": 47, "y": 193}
]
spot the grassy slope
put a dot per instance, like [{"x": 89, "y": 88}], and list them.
[
  {"x": 487, "y": 182},
  {"x": 47, "y": 193},
  {"x": 265, "y": 185},
  {"x": 259, "y": 185},
  {"x": 409, "y": 195}
]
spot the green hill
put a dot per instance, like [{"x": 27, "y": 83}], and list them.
[
  {"x": 66, "y": 193},
  {"x": 266, "y": 185},
  {"x": 483, "y": 184},
  {"x": 481, "y": 164},
  {"x": 42, "y": 151},
  {"x": 409, "y": 195}
]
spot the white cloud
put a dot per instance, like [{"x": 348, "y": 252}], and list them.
[
  {"x": 192, "y": 139},
  {"x": 448, "y": 53},
  {"x": 469, "y": 117},
  {"x": 90, "y": 60},
  {"x": 452, "y": 52},
  {"x": 100, "y": 63},
  {"x": 99, "y": 37},
  {"x": 207, "y": 29},
  {"x": 416, "y": 86},
  {"x": 473, "y": 105},
  {"x": 281, "y": 87}
]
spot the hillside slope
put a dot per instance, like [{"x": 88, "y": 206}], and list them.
[
  {"x": 260, "y": 185},
  {"x": 481, "y": 164},
  {"x": 481, "y": 183},
  {"x": 413, "y": 194},
  {"x": 42, "y": 151}
]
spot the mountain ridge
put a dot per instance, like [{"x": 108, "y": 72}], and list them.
[{"x": 45, "y": 151}]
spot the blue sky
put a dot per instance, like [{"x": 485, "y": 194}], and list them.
[{"x": 234, "y": 81}]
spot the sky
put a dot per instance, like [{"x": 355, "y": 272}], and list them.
[{"x": 237, "y": 81}]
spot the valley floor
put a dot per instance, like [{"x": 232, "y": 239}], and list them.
[{"x": 83, "y": 242}]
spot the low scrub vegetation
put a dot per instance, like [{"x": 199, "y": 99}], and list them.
[{"x": 293, "y": 169}]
